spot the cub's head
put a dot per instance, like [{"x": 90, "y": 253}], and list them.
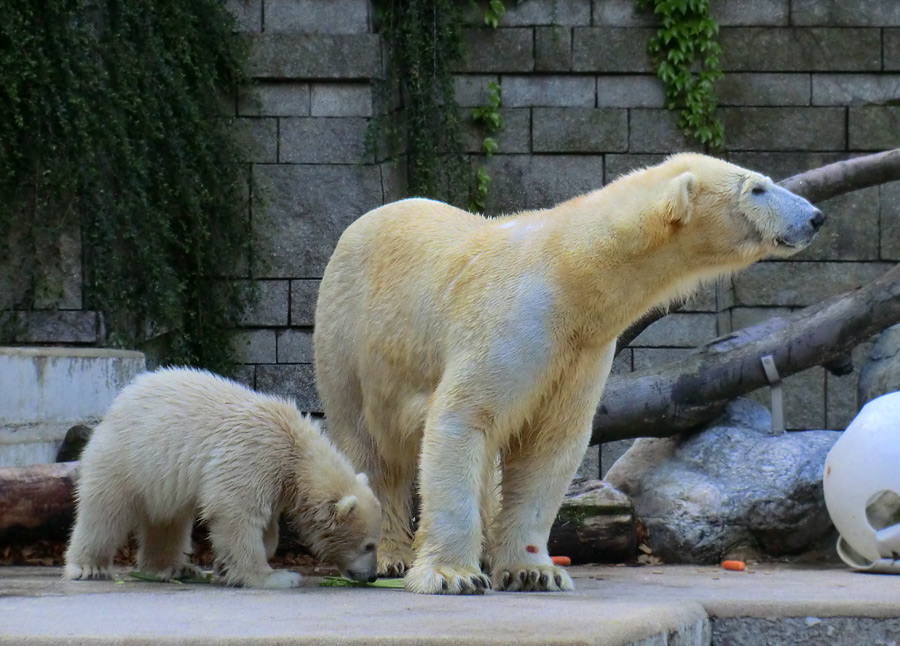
[
  {"x": 723, "y": 210},
  {"x": 347, "y": 531}
]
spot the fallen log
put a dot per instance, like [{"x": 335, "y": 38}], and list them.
[
  {"x": 595, "y": 524},
  {"x": 38, "y": 496},
  {"x": 683, "y": 394}
]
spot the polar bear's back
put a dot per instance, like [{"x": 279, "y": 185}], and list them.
[{"x": 177, "y": 437}]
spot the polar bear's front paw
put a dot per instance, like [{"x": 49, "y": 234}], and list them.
[
  {"x": 394, "y": 559},
  {"x": 426, "y": 579},
  {"x": 532, "y": 578},
  {"x": 82, "y": 571},
  {"x": 282, "y": 579}
]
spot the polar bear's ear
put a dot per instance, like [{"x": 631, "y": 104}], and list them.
[
  {"x": 363, "y": 479},
  {"x": 345, "y": 506},
  {"x": 678, "y": 197}
]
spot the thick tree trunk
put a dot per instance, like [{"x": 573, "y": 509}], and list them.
[
  {"x": 689, "y": 392},
  {"x": 37, "y": 496}
]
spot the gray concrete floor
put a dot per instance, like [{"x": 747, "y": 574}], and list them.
[{"x": 612, "y": 606}]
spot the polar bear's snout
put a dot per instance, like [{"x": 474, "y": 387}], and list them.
[
  {"x": 363, "y": 569},
  {"x": 791, "y": 220}
]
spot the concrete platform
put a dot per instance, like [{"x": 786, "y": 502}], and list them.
[{"x": 612, "y": 606}]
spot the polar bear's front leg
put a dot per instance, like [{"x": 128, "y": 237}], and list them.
[
  {"x": 241, "y": 554},
  {"x": 535, "y": 477},
  {"x": 448, "y": 541}
]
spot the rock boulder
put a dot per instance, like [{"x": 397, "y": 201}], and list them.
[{"x": 732, "y": 489}]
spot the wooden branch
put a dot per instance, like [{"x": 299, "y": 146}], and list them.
[
  {"x": 35, "y": 496},
  {"x": 816, "y": 185},
  {"x": 685, "y": 393},
  {"x": 823, "y": 183}
]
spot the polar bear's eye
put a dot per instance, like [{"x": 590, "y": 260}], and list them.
[
  {"x": 370, "y": 547},
  {"x": 758, "y": 190}
]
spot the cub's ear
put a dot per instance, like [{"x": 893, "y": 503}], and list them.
[
  {"x": 345, "y": 506},
  {"x": 678, "y": 198},
  {"x": 363, "y": 479}
]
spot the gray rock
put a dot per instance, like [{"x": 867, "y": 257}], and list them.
[
  {"x": 881, "y": 373},
  {"x": 730, "y": 490}
]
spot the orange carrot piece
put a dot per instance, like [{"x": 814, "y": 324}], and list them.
[
  {"x": 564, "y": 561},
  {"x": 737, "y": 566}
]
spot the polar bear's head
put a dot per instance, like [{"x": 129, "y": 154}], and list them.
[
  {"x": 721, "y": 209},
  {"x": 347, "y": 530}
]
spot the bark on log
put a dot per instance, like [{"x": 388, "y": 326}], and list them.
[
  {"x": 37, "y": 496},
  {"x": 816, "y": 185},
  {"x": 823, "y": 183},
  {"x": 686, "y": 393},
  {"x": 595, "y": 524}
]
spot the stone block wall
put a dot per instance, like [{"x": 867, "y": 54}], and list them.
[
  {"x": 807, "y": 82},
  {"x": 316, "y": 63}
]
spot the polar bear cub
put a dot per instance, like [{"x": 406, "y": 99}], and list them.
[{"x": 178, "y": 443}]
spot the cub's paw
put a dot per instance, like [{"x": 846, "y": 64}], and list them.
[
  {"x": 394, "y": 559},
  {"x": 82, "y": 571},
  {"x": 532, "y": 578},
  {"x": 180, "y": 571},
  {"x": 426, "y": 579},
  {"x": 282, "y": 579}
]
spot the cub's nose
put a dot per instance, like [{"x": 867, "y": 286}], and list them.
[
  {"x": 372, "y": 579},
  {"x": 817, "y": 220}
]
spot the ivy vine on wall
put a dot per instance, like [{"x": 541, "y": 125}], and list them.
[
  {"x": 425, "y": 43},
  {"x": 686, "y": 53},
  {"x": 113, "y": 136}
]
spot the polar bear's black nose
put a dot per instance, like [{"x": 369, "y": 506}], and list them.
[
  {"x": 372, "y": 579},
  {"x": 817, "y": 220}
]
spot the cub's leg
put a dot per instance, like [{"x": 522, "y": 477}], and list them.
[
  {"x": 164, "y": 547},
  {"x": 448, "y": 542},
  {"x": 536, "y": 473},
  {"x": 105, "y": 518},
  {"x": 241, "y": 554}
]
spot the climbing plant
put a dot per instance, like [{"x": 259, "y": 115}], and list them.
[
  {"x": 686, "y": 53},
  {"x": 113, "y": 136},
  {"x": 425, "y": 45},
  {"x": 424, "y": 37},
  {"x": 489, "y": 119}
]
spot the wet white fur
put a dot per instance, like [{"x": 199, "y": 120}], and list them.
[{"x": 179, "y": 443}]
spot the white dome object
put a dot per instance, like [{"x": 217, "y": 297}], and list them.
[{"x": 862, "y": 487}]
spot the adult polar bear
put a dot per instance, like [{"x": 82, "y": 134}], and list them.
[{"x": 453, "y": 340}]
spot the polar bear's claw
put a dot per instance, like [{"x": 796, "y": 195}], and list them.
[
  {"x": 392, "y": 570},
  {"x": 533, "y": 578},
  {"x": 394, "y": 558},
  {"x": 426, "y": 579}
]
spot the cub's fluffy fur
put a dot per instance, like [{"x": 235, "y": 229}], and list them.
[{"x": 179, "y": 443}]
